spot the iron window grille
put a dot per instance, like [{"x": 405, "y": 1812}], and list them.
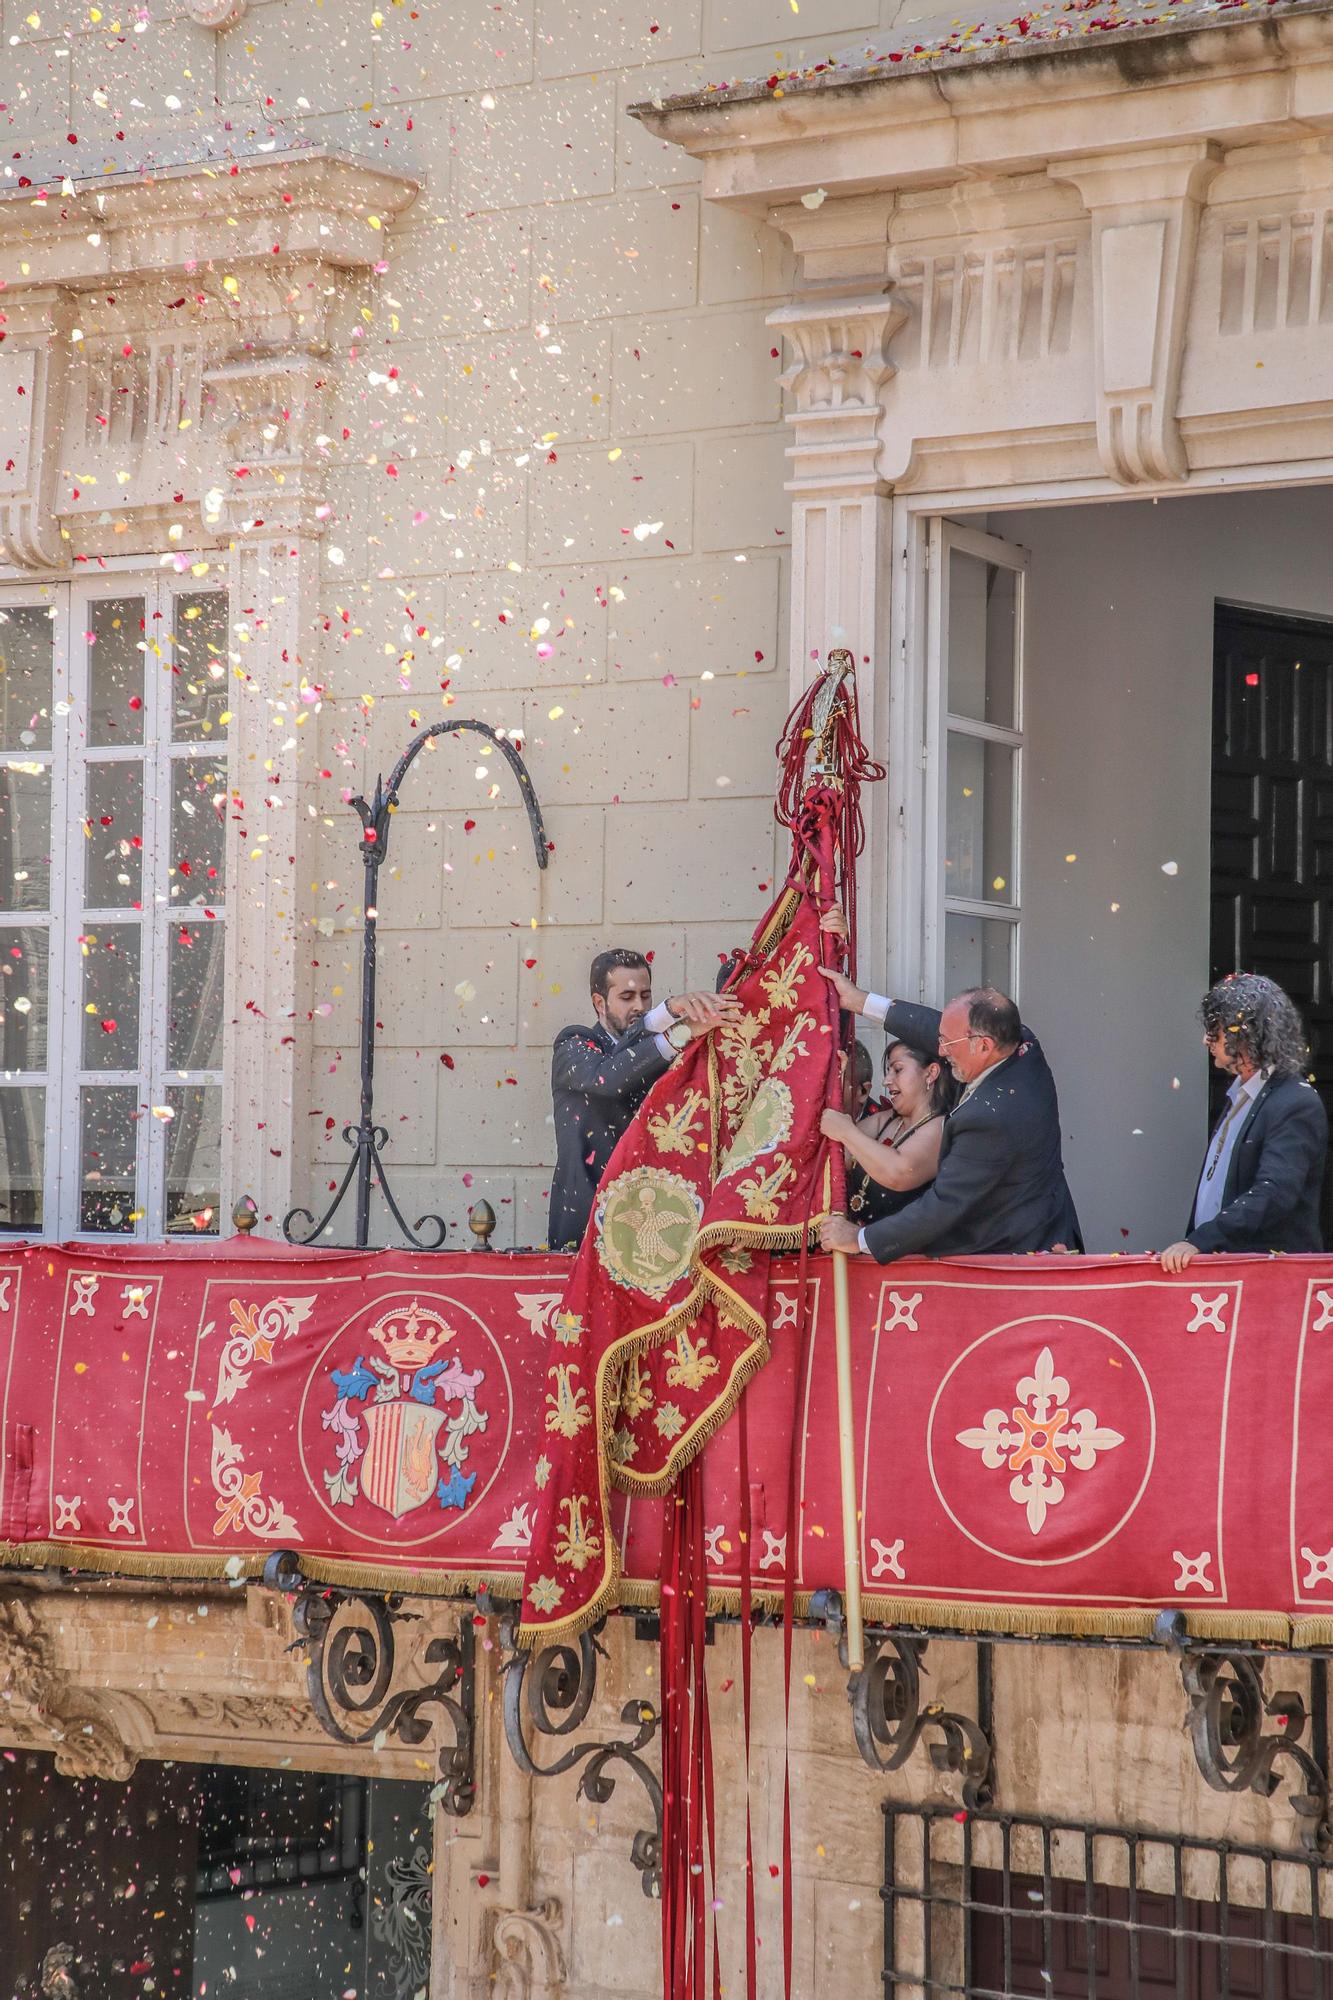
[{"x": 999, "y": 1906}]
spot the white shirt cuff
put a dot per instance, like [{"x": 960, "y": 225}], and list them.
[
  {"x": 876, "y": 1007},
  {"x": 665, "y": 1049},
  {"x": 658, "y": 1019},
  {"x": 861, "y": 1242}
]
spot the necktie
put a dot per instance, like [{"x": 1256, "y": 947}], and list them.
[{"x": 1238, "y": 1103}]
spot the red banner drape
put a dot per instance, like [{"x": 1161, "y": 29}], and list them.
[{"x": 1043, "y": 1443}]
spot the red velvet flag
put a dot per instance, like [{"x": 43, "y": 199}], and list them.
[{"x": 664, "y": 1319}]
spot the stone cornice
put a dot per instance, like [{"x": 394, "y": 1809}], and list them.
[
  {"x": 1236, "y": 82},
  {"x": 315, "y": 205}
]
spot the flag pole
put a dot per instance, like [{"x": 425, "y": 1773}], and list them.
[
  {"x": 825, "y": 762},
  {"x": 851, "y": 1551}
]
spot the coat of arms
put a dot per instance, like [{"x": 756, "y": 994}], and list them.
[{"x": 401, "y": 1423}]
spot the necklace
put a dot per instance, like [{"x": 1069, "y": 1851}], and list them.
[{"x": 903, "y": 1137}]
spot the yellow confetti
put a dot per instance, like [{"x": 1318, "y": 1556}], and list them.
[{"x": 554, "y": 714}]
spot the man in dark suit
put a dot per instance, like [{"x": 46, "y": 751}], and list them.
[
  {"x": 601, "y": 1075},
  {"x": 1262, "y": 1175},
  {"x": 1000, "y": 1186}
]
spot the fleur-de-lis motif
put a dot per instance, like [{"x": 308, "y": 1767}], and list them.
[
  {"x": 673, "y": 1129},
  {"x": 693, "y": 1363},
  {"x": 761, "y": 1190},
  {"x": 567, "y": 1406},
  {"x": 781, "y": 983},
  {"x": 577, "y": 1545}
]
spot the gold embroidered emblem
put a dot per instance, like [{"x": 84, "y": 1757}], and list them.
[{"x": 646, "y": 1222}]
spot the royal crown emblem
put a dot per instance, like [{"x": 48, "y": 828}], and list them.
[
  {"x": 413, "y": 1338},
  {"x": 402, "y": 1424}
]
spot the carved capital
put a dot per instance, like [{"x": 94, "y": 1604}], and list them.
[
  {"x": 33, "y": 368},
  {"x": 840, "y": 364},
  {"x": 529, "y": 1957},
  {"x": 1145, "y": 225}
]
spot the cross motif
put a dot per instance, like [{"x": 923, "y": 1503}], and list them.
[
  {"x": 786, "y": 1310},
  {"x": 904, "y": 1312},
  {"x": 5, "y": 1283},
  {"x": 1320, "y": 1568},
  {"x": 136, "y": 1301},
  {"x": 85, "y": 1291},
  {"x": 120, "y": 1515},
  {"x": 775, "y": 1550},
  {"x": 713, "y": 1544},
  {"x": 1038, "y": 1437},
  {"x": 1207, "y": 1312},
  {"x": 1192, "y": 1571},
  {"x": 886, "y": 1558},
  {"x": 67, "y": 1512},
  {"x": 1325, "y": 1311}
]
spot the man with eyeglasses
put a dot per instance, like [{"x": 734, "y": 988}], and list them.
[{"x": 1000, "y": 1187}]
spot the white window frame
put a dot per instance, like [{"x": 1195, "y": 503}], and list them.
[
  {"x": 69, "y": 916},
  {"x": 943, "y": 538}
]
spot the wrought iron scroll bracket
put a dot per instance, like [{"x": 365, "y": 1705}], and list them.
[
  {"x": 367, "y": 1138},
  {"x": 354, "y": 1675},
  {"x": 890, "y": 1719},
  {"x": 1228, "y": 1708},
  {"x": 553, "y": 1689}
]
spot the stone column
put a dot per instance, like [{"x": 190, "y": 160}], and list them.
[
  {"x": 271, "y": 397},
  {"x": 838, "y": 329}
]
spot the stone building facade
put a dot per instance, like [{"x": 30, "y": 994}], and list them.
[{"x": 393, "y": 367}]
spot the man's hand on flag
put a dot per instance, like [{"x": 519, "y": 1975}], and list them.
[
  {"x": 704, "y": 1011},
  {"x": 851, "y": 997},
  {"x": 840, "y": 1234}
]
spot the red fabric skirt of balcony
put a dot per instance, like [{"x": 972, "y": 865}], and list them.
[{"x": 1044, "y": 1443}]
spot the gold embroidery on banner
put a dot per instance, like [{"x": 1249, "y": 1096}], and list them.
[{"x": 673, "y": 1130}]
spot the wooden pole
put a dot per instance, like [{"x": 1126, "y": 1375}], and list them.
[{"x": 851, "y": 1537}]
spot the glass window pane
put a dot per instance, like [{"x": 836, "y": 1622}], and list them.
[
  {"x": 199, "y": 685},
  {"x": 198, "y": 797},
  {"x": 114, "y": 826},
  {"x": 979, "y": 820},
  {"x": 23, "y": 978},
  {"x": 108, "y": 1142},
  {"x": 111, "y": 997},
  {"x": 194, "y": 1158},
  {"x": 983, "y": 640},
  {"x": 978, "y": 951},
  {"x": 22, "y": 1151},
  {"x": 194, "y": 1005},
  {"x": 115, "y": 640},
  {"x": 25, "y": 837},
  {"x": 27, "y": 649}
]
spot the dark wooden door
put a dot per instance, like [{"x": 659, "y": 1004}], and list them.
[
  {"x": 1272, "y": 821},
  {"x": 1144, "y": 1948},
  {"x": 108, "y": 1870}
]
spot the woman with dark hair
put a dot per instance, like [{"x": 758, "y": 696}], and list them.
[
  {"x": 1260, "y": 1183},
  {"x": 892, "y": 1155}
]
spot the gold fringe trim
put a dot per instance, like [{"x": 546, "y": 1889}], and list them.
[
  {"x": 1274, "y": 1628},
  {"x": 192, "y": 1567},
  {"x": 1317, "y": 1631}
]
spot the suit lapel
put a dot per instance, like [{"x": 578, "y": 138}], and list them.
[{"x": 1230, "y": 1189}]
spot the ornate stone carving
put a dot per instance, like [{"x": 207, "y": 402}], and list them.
[
  {"x": 207, "y": 1714},
  {"x": 92, "y": 1735},
  {"x": 840, "y": 364},
  {"x": 1145, "y": 227},
  {"x": 529, "y": 1958}
]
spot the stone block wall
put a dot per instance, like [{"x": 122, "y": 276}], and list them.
[{"x": 554, "y": 502}]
